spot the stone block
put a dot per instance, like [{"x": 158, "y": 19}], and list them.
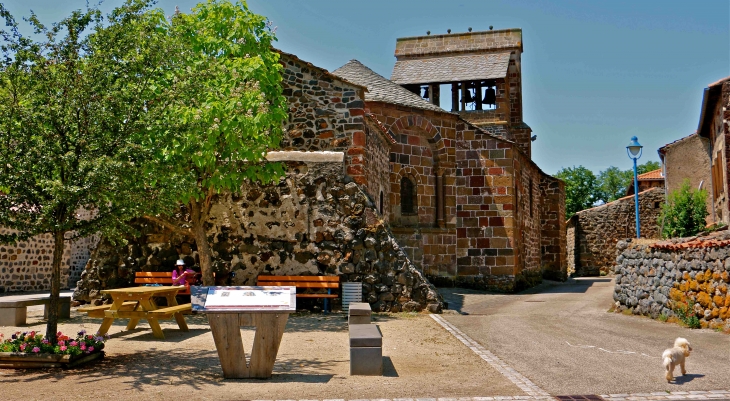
[
  {"x": 365, "y": 335},
  {"x": 366, "y": 361},
  {"x": 12, "y": 316}
]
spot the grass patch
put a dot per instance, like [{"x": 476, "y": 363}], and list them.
[{"x": 663, "y": 318}]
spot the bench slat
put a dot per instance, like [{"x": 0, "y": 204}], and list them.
[
  {"x": 172, "y": 309},
  {"x": 303, "y": 285},
  {"x": 153, "y": 274},
  {"x": 317, "y": 296},
  {"x": 299, "y": 278},
  {"x": 151, "y": 280}
]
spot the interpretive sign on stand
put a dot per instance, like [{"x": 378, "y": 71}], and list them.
[{"x": 229, "y": 308}]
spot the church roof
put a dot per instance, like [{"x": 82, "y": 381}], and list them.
[
  {"x": 380, "y": 89},
  {"x": 472, "y": 67}
]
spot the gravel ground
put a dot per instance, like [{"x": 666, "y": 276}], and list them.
[{"x": 420, "y": 360}]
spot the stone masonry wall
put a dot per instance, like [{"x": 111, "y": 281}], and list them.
[
  {"x": 325, "y": 113},
  {"x": 27, "y": 265},
  {"x": 316, "y": 221},
  {"x": 597, "y": 230},
  {"x": 658, "y": 279}
]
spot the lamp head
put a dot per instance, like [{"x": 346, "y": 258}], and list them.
[{"x": 634, "y": 148}]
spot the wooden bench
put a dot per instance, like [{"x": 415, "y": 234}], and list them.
[
  {"x": 162, "y": 278},
  {"x": 328, "y": 283},
  {"x": 98, "y": 311},
  {"x": 14, "y": 312}
]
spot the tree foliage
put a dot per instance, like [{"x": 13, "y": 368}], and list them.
[
  {"x": 227, "y": 108},
  {"x": 613, "y": 183},
  {"x": 74, "y": 105},
  {"x": 684, "y": 213},
  {"x": 581, "y": 189}
]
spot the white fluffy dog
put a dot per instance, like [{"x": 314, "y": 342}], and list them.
[{"x": 675, "y": 356}]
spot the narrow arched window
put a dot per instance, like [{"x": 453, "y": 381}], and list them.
[
  {"x": 381, "y": 203},
  {"x": 407, "y": 196}
]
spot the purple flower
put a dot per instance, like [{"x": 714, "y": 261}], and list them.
[
  {"x": 36, "y": 350},
  {"x": 82, "y": 332},
  {"x": 91, "y": 349},
  {"x": 14, "y": 336}
]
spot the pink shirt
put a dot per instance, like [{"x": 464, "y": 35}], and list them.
[{"x": 176, "y": 280}]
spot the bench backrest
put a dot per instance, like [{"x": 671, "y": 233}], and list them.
[
  {"x": 153, "y": 278},
  {"x": 301, "y": 281}
]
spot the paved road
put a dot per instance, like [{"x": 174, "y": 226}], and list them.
[{"x": 561, "y": 337}]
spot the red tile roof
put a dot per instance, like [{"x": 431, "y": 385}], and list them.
[{"x": 651, "y": 175}]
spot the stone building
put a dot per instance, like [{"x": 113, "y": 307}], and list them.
[
  {"x": 385, "y": 187},
  {"x": 714, "y": 126},
  {"x": 688, "y": 158},
  {"x": 466, "y": 200},
  {"x": 650, "y": 179},
  {"x": 592, "y": 234}
]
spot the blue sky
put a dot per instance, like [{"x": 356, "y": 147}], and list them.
[{"x": 595, "y": 73}]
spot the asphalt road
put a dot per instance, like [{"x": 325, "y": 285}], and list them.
[{"x": 562, "y": 338}]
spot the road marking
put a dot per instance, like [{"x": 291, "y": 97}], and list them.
[
  {"x": 612, "y": 352},
  {"x": 512, "y": 375}
]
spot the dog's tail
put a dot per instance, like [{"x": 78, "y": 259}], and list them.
[{"x": 667, "y": 358}]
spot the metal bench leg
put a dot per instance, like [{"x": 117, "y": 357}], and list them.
[
  {"x": 326, "y": 301},
  {"x": 12, "y": 316}
]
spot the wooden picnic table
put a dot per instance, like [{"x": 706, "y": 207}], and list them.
[{"x": 136, "y": 303}]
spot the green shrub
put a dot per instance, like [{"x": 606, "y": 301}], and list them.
[
  {"x": 684, "y": 213},
  {"x": 685, "y": 313}
]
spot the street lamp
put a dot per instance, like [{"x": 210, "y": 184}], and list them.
[{"x": 634, "y": 152}]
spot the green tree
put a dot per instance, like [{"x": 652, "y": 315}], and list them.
[
  {"x": 581, "y": 189},
  {"x": 228, "y": 109},
  {"x": 613, "y": 183},
  {"x": 73, "y": 107},
  {"x": 645, "y": 168},
  {"x": 684, "y": 213}
]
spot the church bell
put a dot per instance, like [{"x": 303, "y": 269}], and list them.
[
  {"x": 426, "y": 95},
  {"x": 490, "y": 96},
  {"x": 467, "y": 97}
]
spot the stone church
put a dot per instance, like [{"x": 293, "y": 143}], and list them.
[{"x": 383, "y": 184}]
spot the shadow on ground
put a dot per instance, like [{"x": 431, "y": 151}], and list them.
[{"x": 182, "y": 368}]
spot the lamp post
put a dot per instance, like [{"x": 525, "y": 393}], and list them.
[{"x": 634, "y": 152}]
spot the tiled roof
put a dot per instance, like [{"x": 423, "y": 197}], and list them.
[
  {"x": 380, "y": 89},
  {"x": 663, "y": 149},
  {"x": 651, "y": 175},
  {"x": 451, "y": 69}
]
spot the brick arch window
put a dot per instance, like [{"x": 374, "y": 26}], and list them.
[{"x": 407, "y": 196}]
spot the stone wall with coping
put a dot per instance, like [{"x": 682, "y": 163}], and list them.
[
  {"x": 657, "y": 279},
  {"x": 594, "y": 232},
  {"x": 315, "y": 221}
]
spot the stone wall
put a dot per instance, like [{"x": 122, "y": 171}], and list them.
[
  {"x": 594, "y": 232},
  {"x": 657, "y": 279},
  {"x": 464, "y": 42},
  {"x": 27, "y": 265},
  {"x": 315, "y": 221}
]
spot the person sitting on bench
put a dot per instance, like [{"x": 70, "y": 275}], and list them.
[{"x": 183, "y": 276}]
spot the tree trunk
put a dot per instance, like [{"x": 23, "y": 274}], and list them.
[
  {"x": 201, "y": 240},
  {"x": 52, "y": 325}
]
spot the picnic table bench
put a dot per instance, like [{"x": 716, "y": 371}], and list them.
[
  {"x": 328, "y": 283},
  {"x": 13, "y": 312},
  {"x": 137, "y": 303}
]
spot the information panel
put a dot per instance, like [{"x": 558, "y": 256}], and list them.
[{"x": 251, "y": 298}]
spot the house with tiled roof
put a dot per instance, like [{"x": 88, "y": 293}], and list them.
[
  {"x": 650, "y": 179},
  {"x": 715, "y": 127},
  {"x": 688, "y": 158}
]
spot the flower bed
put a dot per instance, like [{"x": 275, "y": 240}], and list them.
[{"x": 32, "y": 350}]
